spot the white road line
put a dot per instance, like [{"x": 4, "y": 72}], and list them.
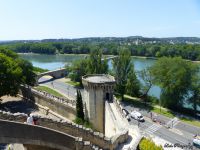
[{"x": 153, "y": 128}]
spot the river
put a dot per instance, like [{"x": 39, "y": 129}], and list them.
[{"x": 52, "y": 62}]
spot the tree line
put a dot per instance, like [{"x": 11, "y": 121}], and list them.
[
  {"x": 178, "y": 79},
  {"x": 186, "y": 51}
]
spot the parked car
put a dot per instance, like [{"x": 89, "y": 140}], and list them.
[
  {"x": 137, "y": 116},
  {"x": 127, "y": 114},
  {"x": 196, "y": 141}
]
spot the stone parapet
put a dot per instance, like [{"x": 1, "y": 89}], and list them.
[
  {"x": 95, "y": 81},
  {"x": 96, "y": 139},
  {"x": 62, "y": 106}
]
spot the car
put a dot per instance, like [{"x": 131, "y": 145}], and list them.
[
  {"x": 137, "y": 116},
  {"x": 196, "y": 141}
]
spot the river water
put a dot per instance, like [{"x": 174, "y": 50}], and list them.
[{"x": 52, "y": 62}]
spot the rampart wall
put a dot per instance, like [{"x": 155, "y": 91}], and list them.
[
  {"x": 62, "y": 106},
  {"x": 93, "y": 139}
]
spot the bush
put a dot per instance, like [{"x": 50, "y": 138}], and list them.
[
  {"x": 85, "y": 123},
  {"x": 146, "y": 144},
  {"x": 152, "y": 99},
  {"x": 79, "y": 121}
]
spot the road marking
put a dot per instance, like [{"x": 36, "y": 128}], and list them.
[
  {"x": 153, "y": 128},
  {"x": 173, "y": 122},
  {"x": 176, "y": 131}
]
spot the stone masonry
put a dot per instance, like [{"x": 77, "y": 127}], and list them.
[{"x": 98, "y": 89}]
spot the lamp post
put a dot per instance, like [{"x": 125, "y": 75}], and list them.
[
  {"x": 160, "y": 104},
  {"x": 68, "y": 90}
]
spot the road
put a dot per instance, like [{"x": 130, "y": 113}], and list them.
[
  {"x": 60, "y": 86},
  {"x": 180, "y": 132}
]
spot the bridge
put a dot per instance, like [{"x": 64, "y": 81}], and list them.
[
  {"x": 15, "y": 132},
  {"x": 108, "y": 58},
  {"x": 59, "y": 73}
]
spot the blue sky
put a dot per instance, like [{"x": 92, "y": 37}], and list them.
[{"x": 40, "y": 19}]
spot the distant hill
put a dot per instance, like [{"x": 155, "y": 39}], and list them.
[{"x": 130, "y": 39}]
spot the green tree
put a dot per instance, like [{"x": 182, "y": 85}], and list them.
[
  {"x": 28, "y": 76},
  {"x": 10, "y": 76},
  {"x": 121, "y": 68},
  {"x": 95, "y": 63},
  {"x": 89, "y": 65},
  {"x": 147, "y": 78},
  {"x": 79, "y": 106},
  {"x": 13, "y": 72},
  {"x": 133, "y": 84},
  {"x": 195, "y": 90},
  {"x": 174, "y": 76},
  {"x": 78, "y": 69}
]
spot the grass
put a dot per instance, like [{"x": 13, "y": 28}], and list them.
[
  {"x": 191, "y": 121},
  {"x": 73, "y": 83},
  {"x": 155, "y": 108},
  {"x": 163, "y": 112},
  {"x": 49, "y": 90}
]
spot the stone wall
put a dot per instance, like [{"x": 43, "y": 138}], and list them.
[
  {"x": 62, "y": 106},
  {"x": 13, "y": 132},
  {"x": 93, "y": 138}
]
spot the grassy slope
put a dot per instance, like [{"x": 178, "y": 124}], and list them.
[{"x": 49, "y": 90}]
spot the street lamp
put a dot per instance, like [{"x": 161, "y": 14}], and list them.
[
  {"x": 68, "y": 90},
  {"x": 160, "y": 104}
]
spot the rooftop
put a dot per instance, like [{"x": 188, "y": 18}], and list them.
[{"x": 99, "y": 78}]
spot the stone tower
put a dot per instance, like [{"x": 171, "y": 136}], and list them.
[{"x": 98, "y": 88}]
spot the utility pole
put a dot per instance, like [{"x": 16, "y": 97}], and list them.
[
  {"x": 160, "y": 104},
  {"x": 68, "y": 90}
]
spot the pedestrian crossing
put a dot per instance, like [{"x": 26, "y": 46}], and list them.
[
  {"x": 153, "y": 128},
  {"x": 173, "y": 122}
]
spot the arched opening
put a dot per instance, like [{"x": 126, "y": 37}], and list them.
[{"x": 45, "y": 79}]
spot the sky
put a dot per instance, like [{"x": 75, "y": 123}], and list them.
[{"x": 46, "y": 19}]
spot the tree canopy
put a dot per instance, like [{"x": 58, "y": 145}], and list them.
[
  {"x": 186, "y": 51},
  {"x": 13, "y": 72},
  {"x": 79, "y": 106},
  {"x": 93, "y": 64},
  {"x": 121, "y": 67},
  {"x": 175, "y": 77}
]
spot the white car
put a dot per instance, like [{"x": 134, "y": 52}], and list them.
[
  {"x": 196, "y": 141},
  {"x": 137, "y": 116}
]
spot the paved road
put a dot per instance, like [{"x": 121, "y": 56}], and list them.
[
  {"x": 180, "y": 133},
  {"x": 60, "y": 86}
]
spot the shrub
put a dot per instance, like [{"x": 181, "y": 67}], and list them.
[{"x": 146, "y": 144}]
